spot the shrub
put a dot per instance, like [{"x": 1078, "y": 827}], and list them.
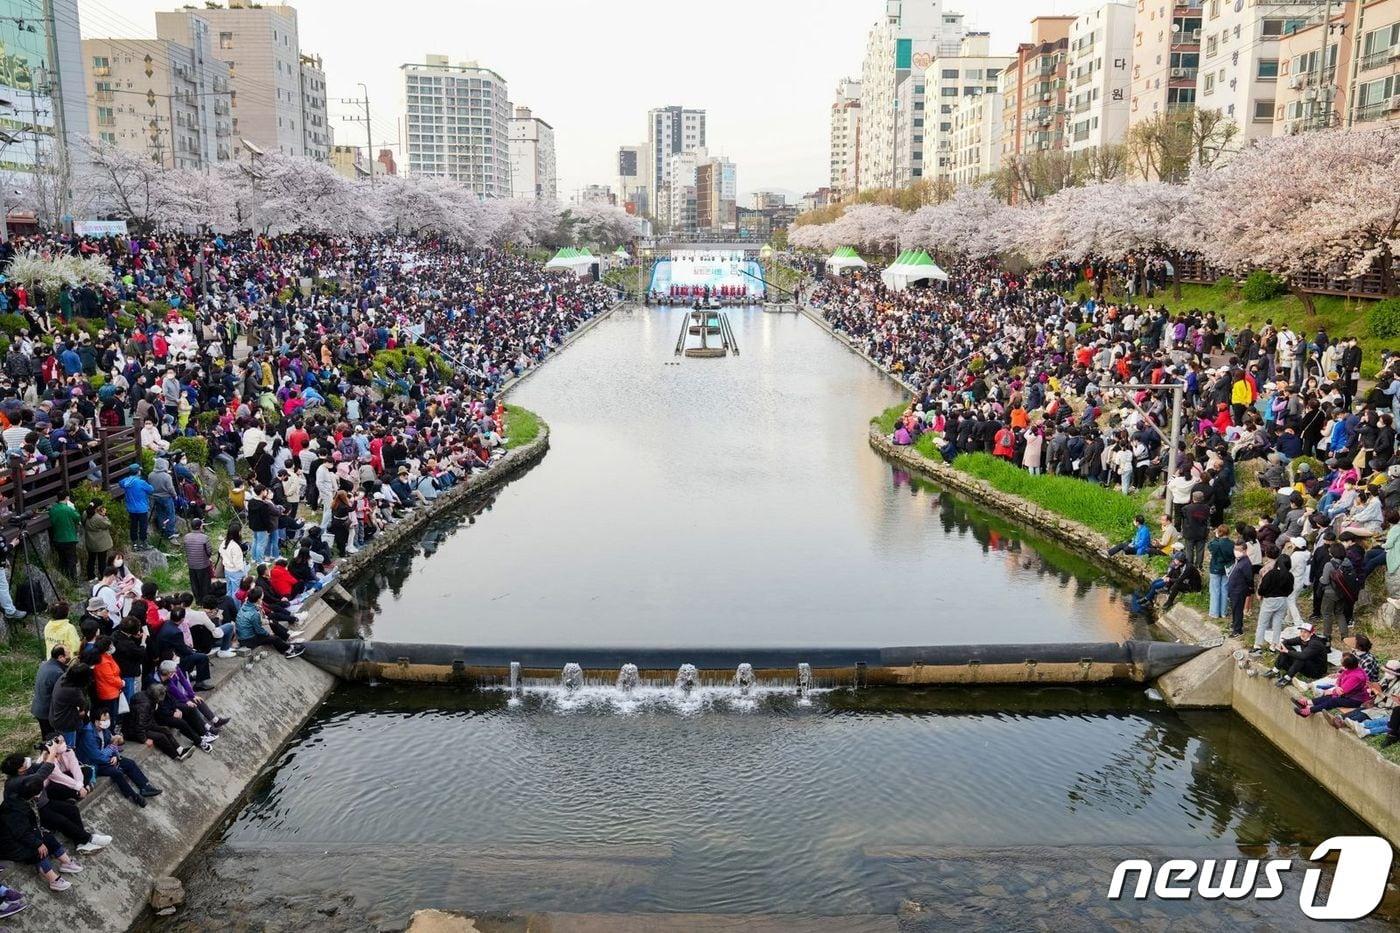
[
  {"x": 206, "y": 420},
  {"x": 195, "y": 448},
  {"x": 1083, "y": 327},
  {"x": 125, "y": 320},
  {"x": 84, "y": 493},
  {"x": 1250, "y": 503},
  {"x": 1383, "y": 320},
  {"x": 97, "y": 381},
  {"x": 336, "y": 403},
  {"x": 12, "y": 324},
  {"x": 1263, "y": 286},
  {"x": 977, "y": 365},
  {"x": 187, "y": 313},
  {"x": 148, "y": 460}
]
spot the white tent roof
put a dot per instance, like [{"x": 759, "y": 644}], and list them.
[
  {"x": 575, "y": 261},
  {"x": 912, "y": 266},
  {"x": 845, "y": 258}
]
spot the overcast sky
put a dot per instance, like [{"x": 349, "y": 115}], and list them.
[{"x": 764, "y": 70}]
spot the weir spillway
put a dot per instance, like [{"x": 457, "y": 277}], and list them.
[{"x": 1133, "y": 661}]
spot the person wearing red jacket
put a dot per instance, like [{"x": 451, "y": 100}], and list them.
[
  {"x": 107, "y": 683},
  {"x": 283, "y": 583}
]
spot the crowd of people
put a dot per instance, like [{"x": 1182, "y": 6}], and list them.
[
  {"x": 338, "y": 382},
  {"x": 1006, "y": 364}
]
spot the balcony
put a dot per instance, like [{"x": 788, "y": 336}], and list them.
[
  {"x": 1380, "y": 58},
  {"x": 103, "y": 97},
  {"x": 1378, "y": 110}
]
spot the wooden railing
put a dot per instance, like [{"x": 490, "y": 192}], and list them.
[
  {"x": 1194, "y": 270},
  {"x": 104, "y": 462}
]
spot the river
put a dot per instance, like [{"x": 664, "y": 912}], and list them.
[{"x": 736, "y": 503}]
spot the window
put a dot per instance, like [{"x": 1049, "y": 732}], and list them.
[
  {"x": 1268, "y": 69},
  {"x": 1263, "y": 111},
  {"x": 1274, "y": 28},
  {"x": 1212, "y": 46},
  {"x": 950, "y": 74},
  {"x": 1209, "y": 84},
  {"x": 225, "y": 40}
]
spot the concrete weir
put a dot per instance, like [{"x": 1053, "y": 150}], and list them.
[{"x": 949, "y": 665}]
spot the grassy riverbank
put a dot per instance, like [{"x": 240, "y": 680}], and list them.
[
  {"x": 19, "y": 661},
  {"x": 522, "y": 426},
  {"x": 1106, "y": 510}
]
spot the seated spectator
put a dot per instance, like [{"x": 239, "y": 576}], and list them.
[
  {"x": 181, "y": 709},
  {"x": 252, "y": 633},
  {"x": 99, "y": 749},
  {"x": 146, "y": 725},
  {"x": 22, "y": 836},
  {"x": 1303, "y": 655},
  {"x": 1348, "y": 693}
]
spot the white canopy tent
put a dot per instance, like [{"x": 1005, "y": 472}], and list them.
[
  {"x": 578, "y": 261},
  {"x": 912, "y": 266},
  {"x": 843, "y": 259}
]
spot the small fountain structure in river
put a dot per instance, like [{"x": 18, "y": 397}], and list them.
[
  {"x": 627, "y": 679},
  {"x": 572, "y": 677},
  {"x": 744, "y": 678},
  {"x": 804, "y": 680},
  {"x": 687, "y": 678}
]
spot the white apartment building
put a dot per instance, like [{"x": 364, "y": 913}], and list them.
[
  {"x": 671, "y": 131},
  {"x": 682, "y": 170},
  {"x": 903, "y": 43},
  {"x": 1166, "y": 58},
  {"x": 975, "y": 152},
  {"x": 909, "y": 120},
  {"x": 1240, "y": 60},
  {"x": 533, "y": 172},
  {"x": 845, "y": 137},
  {"x": 167, "y": 101},
  {"x": 948, "y": 81},
  {"x": 276, "y": 94},
  {"x": 1100, "y": 75},
  {"x": 457, "y": 119}
]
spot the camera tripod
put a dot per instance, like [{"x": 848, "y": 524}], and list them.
[{"x": 25, "y": 545}]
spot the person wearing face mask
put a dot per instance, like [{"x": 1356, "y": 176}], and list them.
[
  {"x": 58, "y": 801},
  {"x": 22, "y": 836},
  {"x": 99, "y": 749},
  {"x": 148, "y": 723},
  {"x": 107, "y": 684}
]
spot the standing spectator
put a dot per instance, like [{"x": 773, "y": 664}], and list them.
[
  {"x": 199, "y": 556},
  {"x": 163, "y": 497},
  {"x": 1238, "y": 585},
  {"x": 97, "y": 538},
  {"x": 63, "y": 523},
  {"x": 1275, "y": 589},
  {"x": 45, "y": 679},
  {"x": 138, "y": 505}
]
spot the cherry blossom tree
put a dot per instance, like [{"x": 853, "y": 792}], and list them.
[
  {"x": 973, "y": 222},
  {"x": 1295, "y": 204}
]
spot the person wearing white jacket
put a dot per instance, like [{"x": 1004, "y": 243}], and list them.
[{"x": 232, "y": 558}]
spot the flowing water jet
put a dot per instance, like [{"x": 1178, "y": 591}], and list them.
[
  {"x": 804, "y": 680},
  {"x": 515, "y": 679},
  {"x": 627, "y": 679},
  {"x": 687, "y": 678},
  {"x": 572, "y": 676},
  {"x": 744, "y": 678}
]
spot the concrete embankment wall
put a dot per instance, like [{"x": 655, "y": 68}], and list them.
[{"x": 269, "y": 701}]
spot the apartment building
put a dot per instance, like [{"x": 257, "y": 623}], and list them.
[
  {"x": 1033, "y": 91},
  {"x": 845, "y": 137},
  {"x": 166, "y": 100},
  {"x": 59, "y": 106},
  {"x": 1100, "y": 74},
  {"x": 533, "y": 171},
  {"x": 277, "y": 94},
  {"x": 633, "y": 178},
  {"x": 457, "y": 121},
  {"x": 1360, "y": 84},
  {"x": 975, "y": 148},
  {"x": 949, "y": 81},
  {"x": 1166, "y": 58},
  {"x": 716, "y": 195},
  {"x": 671, "y": 131}
]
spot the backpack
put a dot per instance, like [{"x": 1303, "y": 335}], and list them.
[{"x": 1348, "y": 586}]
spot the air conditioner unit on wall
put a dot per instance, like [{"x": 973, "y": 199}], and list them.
[{"x": 1178, "y": 72}]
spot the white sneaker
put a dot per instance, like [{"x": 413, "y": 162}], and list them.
[
  {"x": 225, "y": 653},
  {"x": 88, "y": 848},
  {"x": 209, "y": 737},
  {"x": 101, "y": 840},
  {"x": 294, "y": 633},
  {"x": 206, "y": 747}
]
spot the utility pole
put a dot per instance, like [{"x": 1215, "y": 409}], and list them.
[
  {"x": 60, "y": 123},
  {"x": 1322, "y": 107},
  {"x": 369, "y": 134}
]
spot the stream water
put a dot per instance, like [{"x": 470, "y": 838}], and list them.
[{"x": 736, "y": 503}]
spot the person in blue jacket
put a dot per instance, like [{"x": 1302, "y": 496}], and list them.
[
  {"x": 97, "y": 748},
  {"x": 1141, "y": 545},
  {"x": 138, "y": 504}
]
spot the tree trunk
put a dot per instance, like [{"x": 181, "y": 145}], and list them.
[{"x": 1306, "y": 298}]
